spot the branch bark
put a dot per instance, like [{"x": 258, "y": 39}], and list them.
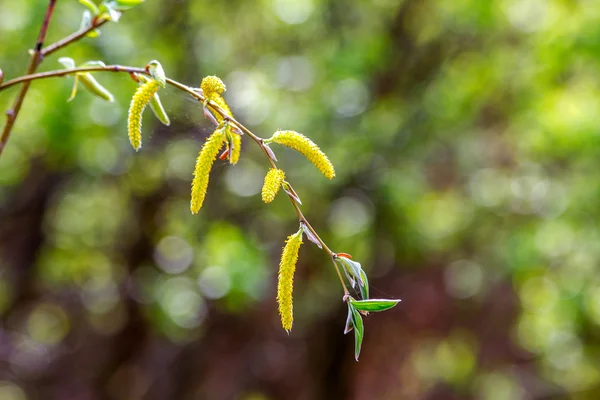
[{"x": 34, "y": 62}]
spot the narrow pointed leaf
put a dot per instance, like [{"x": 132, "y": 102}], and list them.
[
  {"x": 124, "y": 5},
  {"x": 349, "y": 324},
  {"x": 158, "y": 110},
  {"x": 94, "y": 63},
  {"x": 374, "y": 305},
  {"x": 359, "y": 331},
  {"x": 74, "y": 90},
  {"x": 94, "y": 87},
  {"x": 364, "y": 288},
  {"x": 67, "y": 62},
  {"x": 354, "y": 268},
  {"x": 90, "y": 6},
  {"x": 86, "y": 22}
]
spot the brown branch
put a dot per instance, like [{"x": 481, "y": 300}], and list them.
[
  {"x": 75, "y": 36},
  {"x": 200, "y": 97},
  {"x": 34, "y": 61}
]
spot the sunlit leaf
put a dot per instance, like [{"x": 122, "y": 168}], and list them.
[
  {"x": 353, "y": 268},
  {"x": 86, "y": 22},
  {"x": 90, "y": 6},
  {"x": 123, "y": 5},
  {"x": 374, "y": 304},
  {"x": 349, "y": 324},
  {"x": 94, "y": 87},
  {"x": 67, "y": 62},
  {"x": 359, "y": 332},
  {"x": 364, "y": 287}
]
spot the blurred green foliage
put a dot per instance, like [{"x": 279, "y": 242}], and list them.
[{"x": 465, "y": 137}]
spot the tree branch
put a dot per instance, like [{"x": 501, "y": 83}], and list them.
[
  {"x": 34, "y": 61},
  {"x": 75, "y": 36},
  {"x": 197, "y": 94}
]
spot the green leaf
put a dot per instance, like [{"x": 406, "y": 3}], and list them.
[
  {"x": 155, "y": 104},
  {"x": 157, "y": 72},
  {"x": 74, "y": 90},
  {"x": 364, "y": 288},
  {"x": 374, "y": 304},
  {"x": 93, "y": 64},
  {"x": 86, "y": 22},
  {"x": 359, "y": 331},
  {"x": 123, "y": 5},
  {"x": 67, "y": 62},
  {"x": 94, "y": 87},
  {"x": 349, "y": 324},
  {"x": 353, "y": 268},
  {"x": 109, "y": 10},
  {"x": 91, "y": 6}
]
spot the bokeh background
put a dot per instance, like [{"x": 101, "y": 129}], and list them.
[{"x": 466, "y": 140}]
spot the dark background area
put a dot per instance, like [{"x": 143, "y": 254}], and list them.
[{"x": 465, "y": 136}]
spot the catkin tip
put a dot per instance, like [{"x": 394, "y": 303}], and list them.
[
  {"x": 306, "y": 147},
  {"x": 285, "y": 282},
  {"x": 212, "y": 85}
]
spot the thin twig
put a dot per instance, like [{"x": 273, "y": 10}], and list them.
[
  {"x": 196, "y": 94},
  {"x": 75, "y": 36},
  {"x": 34, "y": 61}
]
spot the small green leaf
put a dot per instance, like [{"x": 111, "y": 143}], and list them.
[
  {"x": 91, "y": 6},
  {"x": 364, "y": 288},
  {"x": 67, "y": 62},
  {"x": 155, "y": 104},
  {"x": 374, "y": 304},
  {"x": 157, "y": 72},
  {"x": 74, "y": 90},
  {"x": 158, "y": 110},
  {"x": 86, "y": 22},
  {"x": 123, "y": 5},
  {"x": 349, "y": 324},
  {"x": 94, "y": 87},
  {"x": 93, "y": 64},
  {"x": 353, "y": 268},
  {"x": 109, "y": 10},
  {"x": 359, "y": 331}
]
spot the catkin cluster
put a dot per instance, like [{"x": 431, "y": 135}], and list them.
[
  {"x": 204, "y": 163},
  {"x": 213, "y": 89},
  {"x": 140, "y": 100},
  {"x": 285, "y": 283},
  {"x": 273, "y": 181},
  {"x": 306, "y": 147}
]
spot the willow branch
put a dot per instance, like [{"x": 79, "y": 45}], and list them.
[
  {"x": 34, "y": 62},
  {"x": 197, "y": 94},
  {"x": 75, "y": 36}
]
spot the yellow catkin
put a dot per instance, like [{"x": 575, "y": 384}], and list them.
[
  {"x": 212, "y": 85},
  {"x": 213, "y": 89},
  {"x": 237, "y": 149},
  {"x": 140, "y": 100},
  {"x": 285, "y": 283},
  {"x": 308, "y": 148},
  {"x": 204, "y": 163},
  {"x": 273, "y": 181}
]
